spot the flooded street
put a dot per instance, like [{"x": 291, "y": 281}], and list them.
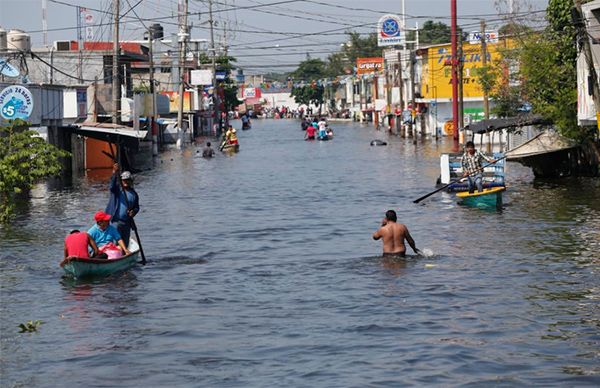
[{"x": 262, "y": 272}]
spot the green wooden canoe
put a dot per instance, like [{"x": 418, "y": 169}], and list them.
[
  {"x": 488, "y": 198},
  {"x": 86, "y": 267}
]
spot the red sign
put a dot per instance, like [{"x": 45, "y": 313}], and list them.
[{"x": 369, "y": 65}]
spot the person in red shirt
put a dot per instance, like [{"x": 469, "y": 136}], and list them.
[
  {"x": 310, "y": 133},
  {"x": 76, "y": 245}
]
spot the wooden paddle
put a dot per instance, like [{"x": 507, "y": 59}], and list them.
[
  {"x": 460, "y": 180},
  {"x": 133, "y": 225}
]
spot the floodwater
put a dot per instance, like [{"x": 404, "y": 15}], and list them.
[{"x": 262, "y": 272}]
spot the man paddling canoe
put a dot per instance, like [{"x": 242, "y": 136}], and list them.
[{"x": 393, "y": 235}]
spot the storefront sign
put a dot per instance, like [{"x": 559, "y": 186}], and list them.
[
  {"x": 16, "y": 102},
  {"x": 251, "y": 92},
  {"x": 369, "y": 65},
  {"x": 201, "y": 77},
  {"x": 490, "y": 37},
  {"x": 389, "y": 31}
]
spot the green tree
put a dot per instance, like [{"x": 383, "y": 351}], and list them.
[
  {"x": 514, "y": 29},
  {"x": 341, "y": 62},
  {"x": 309, "y": 94},
  {"x": 25, "y": 159},
  {"x": 225, "y": 64},
  {"x": 338, "y": 64},
  {"x": 548, "y": 67},
  {"x": 359, "y": 47},
  {"x": 309, "y": 70},
  {"x": 495, "y": 80},
  {"x": 433, "y": 33}
]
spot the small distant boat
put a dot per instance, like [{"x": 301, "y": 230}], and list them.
[
  {"x": 86, "y": 267},
  {"x": 488, "y": 198},
  {"x": 230, "y": 148}
]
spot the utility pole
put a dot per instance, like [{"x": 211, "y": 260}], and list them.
[
  {"x": 388, "y": 91},
  {"x": 225, "y": 52},
  {"x": 486, "y": 102},
  {"x": 413, "y": 103},
  {"x": 183, "y": 35},
  {"x": 95, "y": 103},
  {"x": 116, "y": 84},
  {"x": 45, "y": 21},
  {"x": 400, "y": 83},
  {"x": 153, "y": 128},
  {"x": 454, "y": 75},
  {"x": 78, "y": 9},
  {"x": 461, "y": 66},
  {"x": 217, "y": 118},
  {"x": 374, "y": 99}
]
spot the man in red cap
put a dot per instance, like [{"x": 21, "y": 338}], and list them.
[{"x": 104, "y": 233}]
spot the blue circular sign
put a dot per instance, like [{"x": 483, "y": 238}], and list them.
[
  {"x": 390, "y": 28},
  {"x": 16, "y": 102}
]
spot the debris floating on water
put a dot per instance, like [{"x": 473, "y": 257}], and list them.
[{"x": 378, "y": 142}]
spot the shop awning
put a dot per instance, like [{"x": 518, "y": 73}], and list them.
[
  {"x": 544, "y": 143},
  {"x": 253, "y": 101},
  {"x": 489, "y": 125},
  {"x": 113, "y": 133}
]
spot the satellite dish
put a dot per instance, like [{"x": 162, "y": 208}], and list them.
[{"x": 8, "y": 69}]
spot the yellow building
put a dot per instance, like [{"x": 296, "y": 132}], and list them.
[{"x": 436, "y": 80}]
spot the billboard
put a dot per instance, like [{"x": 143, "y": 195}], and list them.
[
  {"x": 369, "y": 65},
  {"x": 389, "y": 31},
  {"x": 251, "y": 93},
  {"x": 16, "y": 102},
  {"x": 437, "y": 71},
  {"x": 201, "y": 77},
  {"x": 490, "y": 37}
]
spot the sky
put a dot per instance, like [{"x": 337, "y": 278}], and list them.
[{"x": 264, "y": 35}]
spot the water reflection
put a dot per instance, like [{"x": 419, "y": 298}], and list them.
[{"x": 265, "y": 256}]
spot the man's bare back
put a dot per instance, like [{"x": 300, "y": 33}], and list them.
[{"x": 393, "y": 235}]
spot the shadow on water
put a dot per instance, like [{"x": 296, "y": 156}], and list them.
[
  {"x": 172, "y": 261},
  {"x": 399, "y": 266},
  {"x": 123, "y": 279}
]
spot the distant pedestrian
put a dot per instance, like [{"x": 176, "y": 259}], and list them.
[{"x": 208, "y": 152}]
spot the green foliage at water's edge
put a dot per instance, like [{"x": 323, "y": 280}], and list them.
[{"x": 25, "y": 159}]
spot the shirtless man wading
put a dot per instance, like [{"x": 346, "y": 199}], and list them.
[{"x": 393, "y": 236}]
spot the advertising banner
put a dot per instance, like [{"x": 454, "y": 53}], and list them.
[
  {"x": 369, "y": 65},
  {"x": 389, "y": 31},
  {"x": 201, "y": 77},
  {"x": 490, "y": 37},
  {"x": 16, "y": 102},
  {"x": 251, "y": 93}
]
